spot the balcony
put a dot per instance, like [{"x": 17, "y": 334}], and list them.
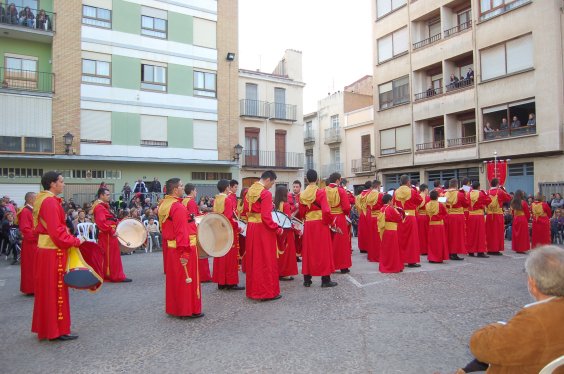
[
  {"x": 273, "y": 159},
  {"x": 328, "y": 169},
  {"x": 511, "y": 132},
  {"x": 309, "y": 137},
  {"x": 22, "y": 144},
  {"x": 463, "y": 83},
  {"x": 254, "y": 108},
  {"x": 333, "y": 135},
  {"x": 439, "y": 144},
  {"x": 282, "y": 112},
  {"x": 26, "y": 80},
  {"x": 362, "y": 165},
  {"x": 459, "y": 142},
  {"x": 430, "y": 93},
  {"x": 426, "y": 42},
  {"x": 37, "y": 27},
  {"x": 458, "y": 28}
]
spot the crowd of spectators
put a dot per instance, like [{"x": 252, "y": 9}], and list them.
[
  {"x": 24, "y": 16},
  {"x": 492, "y": 132}
]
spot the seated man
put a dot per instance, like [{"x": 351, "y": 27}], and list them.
[
  {"x": 533, "y": 337},
  {"x": 153, "y": 230}
]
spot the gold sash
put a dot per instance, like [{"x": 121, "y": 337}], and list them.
[
  {"x": 432, "y": 208},
  {"x": 254, "y": 217},
  {"x": 46, "y": 242},
  {"x": 253, "y": 194},
  {"x": 308, "y": 196},
  {"x": 314, "y": 215}
]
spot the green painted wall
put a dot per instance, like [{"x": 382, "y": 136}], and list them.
[
  {"x": 180, "y": 132},
  {"x": 180, "y": 80},
  {"x": 24, "y": 47},
  {"x": 126, "y": 128},
  {"x": 46, "y": 5},
  {"x": 126, "y": 72},
  {"x": 180, "y": 28},
  {"x": 126, "y": 17}
]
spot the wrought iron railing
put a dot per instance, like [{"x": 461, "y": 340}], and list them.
[
  {"x": 273, "y": 159},
  {"x": 429, "y": 93},
  {"x": 424, "y": 42},
  {"x": 457, "y": 142},
  {"x": 26, "y": 80},
  {"x": 309, "y": 137},
  {"x": 333, "y": 135},
  {"x": 327, "y": 169},
  {"x": 18, "y": 16},
  {"x": 458, "y": 28},
  {"x": 361, "y": 165},
  {"x": 284, "y": 112},
  {"x": 511, "y": 132},
  {"x": 391, "y": 151},
  {"x": 254, "y": 108},
  {"x": 463, "y": 83},
  {"x": 430, "y": 145}
]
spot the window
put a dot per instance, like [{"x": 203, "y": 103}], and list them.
[
  {"x": 335, "y": 156},
  {"x": 384, "y": 7},
  {"x": 98, "y": 17},
  {"x": 506, "y": 58},
  {"x": 395, "y": 140},
  {"x": 204, "y": 84},
  {"x": 152, "y": 26},
  {"x": 464, "y": 17},
  {"x": 95, "y": 126},
  {"x": 153, "y": 77},
  {"x": 309, "y": 159},
  {"x": 434, "y": 27},
  {"x": 393, "y": 180},
  {"x": 205, "y": 33},
  {"x": 394, "y": 93},
  {"x": 335, "y": 121},
  {"x": 392, "y": 45},
  {"x": 251, "y": 145},
  {"x": 21, "y": 72},
  {"x": 20, "y": 4},
  {"x": 513, "y": 119},
  {"x": 279, "y": 103},
  {"x": 491, "y": 8},
  {"x": 96, "y": 72},
  {"x": 21, "y": 172},
  {"x": 154, "y": 131},
  {"x": 202, "y": 175},
  {"x": 10, "y": 144}
]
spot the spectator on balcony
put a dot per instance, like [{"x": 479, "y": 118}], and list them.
[
  {"x": 504, "y": 125},
  {"x": 454, "y": 81},
  {"x": 488, "y": 129},
  {"x": 26, "y": 17},
  {"x": 43, "y": 22},
  {"x": 12, "y": 14},
  {"x": 516, "y": 123},
  {"x": 470, "y": 75},
  {"x": 430, "y": 91},
  {"x": 532, "y": 120}
]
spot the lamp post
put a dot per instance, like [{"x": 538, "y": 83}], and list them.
[
  {"x": 238, "y": 151},
  {"x": 68, "y": 138}
]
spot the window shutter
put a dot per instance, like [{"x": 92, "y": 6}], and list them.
[
  {"x": 385, "y": 48},
  {"x": 493, "y": 62},
  {"x": 400, "y": 41},
  {"x": 403, "y": 138},
  {"x": 388, "y": 139},
  {"x": 95, "y": 125},
  {"x": 154, "y": 128},
  {"x": 383, "y": 7},
  {"x": 519, "y": 54}
]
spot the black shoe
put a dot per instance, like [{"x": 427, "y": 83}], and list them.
[
  {"x": 361, "y": 251},
  {"x": 285, "y": 279},
  {"x": 307, "y": 283},
  {"x": 298, "y": 259},
  {"x": 473, "y": 254},
  {"x": 455, "y": 257},
  {"x": 435, "y": 262},
  {"x": 272, "y": 298},
  {"x": 194, "y": 316},
  {"x": 413, "y": 265},
  {"x": 329, "y": 284},
  {"x": 126, "y": 280},
  {"x": 495, "y": 253},
  {"x": 345, "y": 271},
  {"x": 235, "y": 287},
  {"x": 483, "y": 255},
  {"x": 221, "y": 286},
  {"x": 66, "y": 337}
]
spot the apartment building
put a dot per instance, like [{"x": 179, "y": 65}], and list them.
[
  {"x": 445, "y": 70},
  {"x": 270, "y": 119},
  {"x": 118, "y": 90}
]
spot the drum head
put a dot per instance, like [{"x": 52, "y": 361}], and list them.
[
  {"x": 281, "y": 219},
  {"x": 131, "y": 233},
  {"x": 215, "y": 234}
]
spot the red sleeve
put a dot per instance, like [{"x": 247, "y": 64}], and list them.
[
  {"x": 392, "y": 215},
  {"x": 228, "y": 212},
  {"x": 443, "y": 213},
  {"x": 506, "y": 196},
  {"x": 345, "y": 203},
  {"x": 526, "y": 210},
  {"x": 302, "y": 210},
  {"x": 179, "y": 217},
  {"x": 26, "y": 224},
  {"x": 52, "y": 214},
  {"x": 486, "y": 199},
  {"x": 266, "y": 210},
  {"x": 547, "y": 209},
  {"x": 463, "y": 199},
  {"x": 325, "y": 210},
  {"x": 101, "y": 219},
  {"x": 287, "y": 209},
  {"x": 416, "y": 198}
]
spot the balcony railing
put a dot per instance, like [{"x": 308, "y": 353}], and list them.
[
  {"x": 429, "y": 93},
  {"x": 26, "y": 80},
  {"x": 391, "y": 151},
  {"x": 458, "y": 28},
  {"x": 273, "y": 159},
  {"x": 39, "y": 20},
  {"x": 457, "y": 142},
  {"x": 333, "y": 135},
  {"x": 463, "y": 83},
  {"x": 503, "y": 9},
  {"x": 327, "y": 169},
  {"x": 511, "y": 132},
  {"x": 154, "y": 143},
  {"x": 431, "y": 145},
  {"x": 361, "y": 165},
  {"x": 22, "y": 144},
  {"x": 283, "y": 112},
  {"x": 254, "y": 108},
  {"x": 424, "y": 42},
  {"x": 309, "y": 137}
]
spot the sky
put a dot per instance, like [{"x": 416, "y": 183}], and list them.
[{"x": 334, "y": 36}]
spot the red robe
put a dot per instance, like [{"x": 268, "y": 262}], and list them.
[
  {"x": 51, "y": 310},
  {"x": 29, "y": 250},
  {"x": 363, "y": 222},
  {"x": 456, "y": 220},
  {"x": 294, "y": 201},
  {"x": 390, "y": 254},
  {"x": 541, "y": 224},
  {"x": 476, "y": 222},
  {"x": 316, "y": 242},
  {"x": 193, "y": 212},
  {"x": 495, "y": 227},
  {"x": 437, "y": 239},
  {"x": 340, "y": 207},
  {"x": 182, "y": 299},
  {"x": 373, "y": 207},
  {"x": 287, "y": 264},
  {"x": 106, "y": 223},
  {"x": 423, "y": 225},
  {"x": 408, "y": 199},
  {"x": 260, "y": 252},
  {"x": 226, "y": 268},
  {"x": 242, "y": 239},
  {"x": 520, "y": 240}
]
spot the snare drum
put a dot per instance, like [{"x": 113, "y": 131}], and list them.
[
  {"x": 282, "y": 220},
  {"x": 298, "y": 226}
]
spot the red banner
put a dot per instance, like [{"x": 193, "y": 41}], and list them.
[{"x": 497, "y": 170}]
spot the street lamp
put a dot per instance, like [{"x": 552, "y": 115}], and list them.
[
  {"x": 238, "y": 151},
  {"x": 68, "y": 138},
  {"x": 230, "y": 56}
]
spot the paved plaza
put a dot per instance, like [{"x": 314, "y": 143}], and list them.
[{"x": 418, "y": 321}]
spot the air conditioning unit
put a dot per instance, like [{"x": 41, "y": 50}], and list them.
[{"x": 11, "y": 175}]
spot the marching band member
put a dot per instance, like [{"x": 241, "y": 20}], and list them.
[
  {"x": 29, "y": 245},
  {"x": 363, "y": 218},
  {"x": 182, "y": 287},
  {"x": 242, "y": 217},
  {"x": 437, "y": 240},
  {"x": 51, "y": 310},
  {"x": 495, "y": 227},
  {"x": 407, "y": 198},
  {"x": 317, "y": 259},
  {"x": 390, "y": 254},
  {"x": 287, "y": 264},
  {"x": 107, "y": 237},
  {"x": 475, "y": 224},
  {"x": 520, "y": 241},
  {"x": 423, "y": 219},
  {"x": 541, "y": 222},
  {"x": 437, "y": 187},
  {"x": 340, "y": 208},
  {"x": 456, "y": 221},
  {"x": 226, "y": 268},
  {"x": 294, "y": 201},
  {"x": 373, "y": 207}
]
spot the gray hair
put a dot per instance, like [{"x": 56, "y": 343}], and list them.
[{"x": 546, "y": 266}]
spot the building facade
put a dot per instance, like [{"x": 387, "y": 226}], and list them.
[
  {"x": 270, "y": 120},
  {"x": 142, "y": 89},
  {"x": 445, "y": 70}
]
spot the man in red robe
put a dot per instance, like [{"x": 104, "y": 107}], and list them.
[
  {"x": 495, "y": 227},
  {"x": 390, "y": 254},
  {"x": 423, "y": 219},
  {"x": 475, "y": 223},
  {"x": 193, "y": 211},
  {"x": 373, "y": 206},
  {"x": 183, "y": 293},
  {"x": 29, "y": 245},
  {"x": 364, "y": 239},
  {"x": 226, "y": 268},
  {"x": 456, "y": 221},
  {"x": 407, "y": 198},
  {"x": 261, "y": 264},
  {"x": 437, "y": 187},
  {"x": 107, "y": 237},
  {"x": 437, "y": 246},
  {"x": 316, "y": 244},
  {"x": 51, "y": 310},
  {"x": 294, "y": 201},
  {"x": 340, "y": 208}
]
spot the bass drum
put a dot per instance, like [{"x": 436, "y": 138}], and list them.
[
  {"x": 215, "y": 236},
  {"x": 131, "y": 234}
]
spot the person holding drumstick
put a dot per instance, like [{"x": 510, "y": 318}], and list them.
[
  {"x": 287, "y": 263},
  {"x": 183, "y": 294}
]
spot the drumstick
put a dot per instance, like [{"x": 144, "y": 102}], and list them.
[
  {"x": 188, "y": 279},
  {"x": 127, "y": 244}
]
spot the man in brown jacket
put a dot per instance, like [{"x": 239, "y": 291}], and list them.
[{"x": 534, "y": 336}]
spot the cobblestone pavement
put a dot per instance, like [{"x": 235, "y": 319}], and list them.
[{"x": 418, "y": 321}]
